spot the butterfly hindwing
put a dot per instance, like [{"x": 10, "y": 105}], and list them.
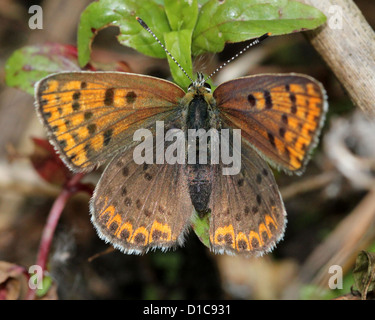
[
  {"x": 138, "y": 207},
  {"x": 247, "y": 212},
  {"x": 280, "y": 115},
  {"x": 91, "y": 116}
]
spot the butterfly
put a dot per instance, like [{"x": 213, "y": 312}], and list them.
[{"x": 91, "y": 119}]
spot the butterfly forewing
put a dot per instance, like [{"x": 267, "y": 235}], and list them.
[
  {"x": 90, "y": 116},
  {"x": 139, "y": 207},
  {"x": 247, "y": 212},
  {"x": 279, "y": 115}
]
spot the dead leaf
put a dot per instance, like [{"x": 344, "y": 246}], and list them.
[
  {"x": 13, "y": 282},
  {"x": 364, "y": 274}
]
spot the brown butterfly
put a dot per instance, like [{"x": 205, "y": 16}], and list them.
[{"x": 91, "y": 117}]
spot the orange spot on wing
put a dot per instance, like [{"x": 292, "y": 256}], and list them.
[
  {"x": 53, "y": 86},
  {"x": 269, "y": 220},
  {"x": 296, "y": 88},
  {"x": 260, "y": 102},
  {"x": 71, "y": 85},
  {"x": 164, "y": 229},
  {"x": 311, "y": 90},
  {"x": 223, "y": 235},
  {"x": 60, "y": 124},
  {"x": 262, "y": 228},
  {"x": 242, "y": 243},
  {"x": 110, "y": 211},
  {"x": 97, "y": 142},
  {"x": 135, "y": 237},
  {"x": 280, "y": 145},
  {"x": 80, "y": 155},
  {"x": 76, "y": 120},
  {"x": 115, "y": 219},
  {"x": 255, "y": 235},
  {"x": 126, "y": 226}
]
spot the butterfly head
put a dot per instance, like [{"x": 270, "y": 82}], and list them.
[{"x": 200, "y": 85}]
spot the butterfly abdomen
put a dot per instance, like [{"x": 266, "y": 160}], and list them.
[
  {"x": 199, "y": 172},
  {"x": 200, "y": 185}
]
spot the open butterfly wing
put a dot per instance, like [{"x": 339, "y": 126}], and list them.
[
  {"x": 141, "y": 207},
  {"x": 280, "y": 115},
  {"x": 90, "y": 116},
  {"x": 247, "y": 212}
]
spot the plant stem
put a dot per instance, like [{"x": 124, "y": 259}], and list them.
[{"x": 70, "y": 188}]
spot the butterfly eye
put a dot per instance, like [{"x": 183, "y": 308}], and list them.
[{"x": 190, "y": 87}]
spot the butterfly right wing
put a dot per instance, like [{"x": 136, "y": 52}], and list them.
[
  {"x": 247, "y": 212},
  {"x": 90, "y": 116},
  {"x": 280, "y": 115}
]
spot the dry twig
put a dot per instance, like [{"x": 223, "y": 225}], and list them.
[{"x": 348, "y": 50}]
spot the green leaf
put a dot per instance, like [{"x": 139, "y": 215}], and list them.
[
  {"x": 182, "y": 14},
  {"x": 122, "y": 13},
  {"x": 201, "y": 30},
  {"x": 201, "y": 226},
  {"x": 179, "y": 45},
  {"x": 200, "y": 2},
  {"x": 364, "y": 273},
  {"x": 47, "y": 283},
  {"x": 234, "y": 21},
  {"x": 32, "y": 63}
]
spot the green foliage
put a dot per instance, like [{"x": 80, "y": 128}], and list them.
[
  {"x": 32, "y": 63},
  {"x": 121, "y": 13},
  {"x": 186, "y": 27},
  {"x": 201, "y": 226},
  {"x": 179, "y": 42},
  {"x": 313, "y": 292},
  {"x": 191, "y": 27},
  {"x": 220, "y": 22}
]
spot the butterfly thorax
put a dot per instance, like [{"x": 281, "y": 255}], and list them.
[{"x": 200, "y": 115}]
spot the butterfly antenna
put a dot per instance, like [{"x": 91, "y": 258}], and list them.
[
  {"x": 145, "y": 26},
  {"x": 256, "y": 41}
]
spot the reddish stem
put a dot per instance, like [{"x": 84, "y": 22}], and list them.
[{"x": 70, "y": 188}]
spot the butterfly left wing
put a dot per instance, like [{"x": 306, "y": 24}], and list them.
[
  {"x": 141, "y": 207},
  {"x": 280, "y": 115},
  {"x": 247, "y": 213},
  {"x": 90, "y": 116}
]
